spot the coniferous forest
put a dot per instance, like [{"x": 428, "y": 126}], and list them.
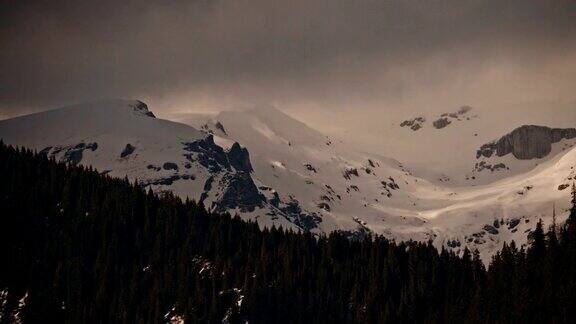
[{"x": 80, "y": 247}]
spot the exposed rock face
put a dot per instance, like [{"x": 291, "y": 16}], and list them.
[
  {"x": 527, "y": 142},
  {"x": 208, "y": 154},
  {"x": 240, "y": 158},
  {"x": 214, "y": 158},
  {"x": 441, "y": 123},
  {"x": 482, "y": 165},
  {"x": 414, "y": 124},
  {"x": 72, "y": 154},
  {"x": 207, "y": 188},
  {"x": 220, "y": 127},
  {"x": 241, "y": 192},
  {"x": 443, "y": 120},
  {"x": 170, "y": 166},
  {"x": 323, "y": 205},
  {"x": 513, "y": 223},
  {"x": 208, "y": 184},
  {"x": 294, "y": 212},
  {"x": 310, "y": 167},
  {"x": 490, "y": 229},
  {"x": 350, "y": 172},
  {"x": 461, "y": 112},
  {"x": 142, "y": 108},
  {"x": 153, "y": 167},
  {"x": 129, "y": 149},
  {"x": 389, "y": 185}
]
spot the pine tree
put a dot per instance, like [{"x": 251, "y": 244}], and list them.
[
  {"x": 571, "y": 222},
  {"x": 139, "y": 256}
]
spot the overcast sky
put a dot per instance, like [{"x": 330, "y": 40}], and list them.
[{"x": 304, "y": 56}]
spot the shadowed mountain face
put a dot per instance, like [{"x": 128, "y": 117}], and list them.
[{"x": 527, "y": 142}]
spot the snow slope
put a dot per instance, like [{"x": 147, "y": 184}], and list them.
[
  {"x": 447, "y": 155},
  {"x": 479, "y": 213},
  {"x": 349, "y": 189},
  {"x": 286, "y": 174},
  {"x": 122, "y": 138}
]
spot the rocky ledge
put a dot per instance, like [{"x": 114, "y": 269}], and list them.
[
  {"x": 142, "y": 109},
  {"x": 527, "y": 142}
]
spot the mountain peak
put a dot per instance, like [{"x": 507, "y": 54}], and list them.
[{"x": 141, "y": 108}]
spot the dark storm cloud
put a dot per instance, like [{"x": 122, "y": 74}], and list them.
[{"x": 58, "y": 52}]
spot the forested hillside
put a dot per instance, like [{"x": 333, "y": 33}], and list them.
[{"x": 80, "y": 247}]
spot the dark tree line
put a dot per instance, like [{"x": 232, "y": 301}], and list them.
[{"x": 86, "y": 248}]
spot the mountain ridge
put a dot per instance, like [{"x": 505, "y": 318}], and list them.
[{"x": 265, "y": 166}]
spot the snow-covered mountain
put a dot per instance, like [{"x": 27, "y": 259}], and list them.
[
  {"x": 441, "y": 144},
  {"x": 347, "y": 189},
  {"x": 266, "y": 166},
  {"x": 123, "y": 138},
  {"x": 475, "y": 207}
]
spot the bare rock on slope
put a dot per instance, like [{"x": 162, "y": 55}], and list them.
[
  {"x": 441, "y": 123},
  {"x": 527, "y": 142}
]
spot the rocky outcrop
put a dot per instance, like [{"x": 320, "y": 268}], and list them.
[
  {"x": 219, "y": 126},
  {"x": 207, "y": 188},
  {"x": 142, "y": 109},
  {"x": 213, "y": 128},
  {"x": 387, "y": 186},
  {"x": 350, "y": 172},
  {"x": 170, "y": 166},
  {"x": 208, "y": 154},
  {"x": 239, "y": 158},
  {"x": 72, "y": 154},
  {"x": 241, "y": 192},
  {"x": 513, "y": 223},
  {"x": 153, "y": 167},
  {"x": 310, "y": 167},
  {"x": 215, "y": 159},
  {"x": 490, "y": 229},
  {"x": 526, "y": 142},
  {"x": 447, "y": 118},
  {"x": 324, "y": 206},
  {"x": 414, "y": 124},
  {"x": 482, "y": 165},
  {"x": 441, "y": 123},
  {"x": 458, "y": 114},
  {"x": 129, "y": 149},
  {"x": 301, "y": 218}
]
